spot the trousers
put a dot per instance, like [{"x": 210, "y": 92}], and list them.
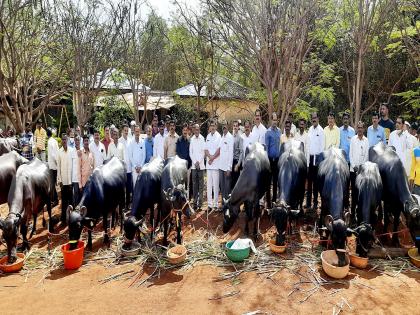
[
  {"x": 212, "y": 188},
  {"x": 225, "y": 184},
  {"x": 197, "y": 184}
]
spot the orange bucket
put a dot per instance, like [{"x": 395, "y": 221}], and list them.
[{"x": 73, "y": 259}]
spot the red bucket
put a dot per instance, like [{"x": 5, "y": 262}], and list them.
[{"x": 73, "y": 259}]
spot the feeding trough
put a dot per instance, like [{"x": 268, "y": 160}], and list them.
[
  {"x": 330, "y": 265},
  {"x": 413, "y": 253},
  {"x": 177, "y": 254},
  {"x": 278, "y": 249},
  {"x": 132, "y": 250},
  {"x": 73, "y": 259},
  {"x": 15, "y": 267},
  {"x": 357, "y": 261},
  {"x": 237, "y": 255}
]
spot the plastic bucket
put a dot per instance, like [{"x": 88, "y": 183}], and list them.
[
  {"x": 73, "y": 259},
  {"x": 236, "y": 255}
]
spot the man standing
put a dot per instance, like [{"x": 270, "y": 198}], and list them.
[
  {"x": 183, "y": 146},
  {"x": 259, "y": 130},
  {"x": 27, "y": 142},
  {"x": 247, "y": 138},
  {"x": 52, "y": 145},
  {"x": 359, "y": 154},
  {"x": 137, "y": 154},
  {"x": 332, "y": 133},
  {"x": 170, "y": 141},
  {"x": 64, "y": 176},
  {"x": 375, "y": 132},
  {"x": 148, "y": 143},
  {"x": 399, "y": 140},
  {"x": 238, "y": 153},
  {"x": 155, "y": 128},
  {"x": 288, "y": 135},
  {"x": 40, "y": 138},
  {"x": 385, "y": 122},
  {"x": 197, "y": 147},
  {"x": 316, "y": 145},
  {"x": 116, "y": 148},
  {"x": 272, "y": 142},
  {"x": 131, "y": 131},
  {"x": 75, "y": 160},
  {"x": 125, "y": 141},
  {"x": 225, "y": 161},
  {"x": 70, "y": 138},
  {"x": 98, "y": 149},
  {"x": 212, "y": 152},
  {"x": 107, "y": 139},
  {"x": 346, "y": 133},
  {"x": 292, "y": 126},
  {"x": 159, "y": 141},
  {"x": 86, "y": 162},
  {"x": 302, "y": 136}
]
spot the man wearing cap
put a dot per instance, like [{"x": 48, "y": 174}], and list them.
[
  {"x": 331, "y": 133},
  {"x": 272, "y": 142},
  {"x": 137, "y": 154},
  {"x": 399, "y": 140},
  {"x": 316, "y": 145},
  {"x": 225, "y": 162},
  {"x": 40, "y": 138},
  {"x": 385, "y": 122},
  {"x": 375, "y": 132},
  {"x": 170, "y": 141},
  {"x": 212, "y": 152},
  {"x": 159, "y": 141},
  {"x": 27, "y": 142},
  {"x": 131, "y": 131}
]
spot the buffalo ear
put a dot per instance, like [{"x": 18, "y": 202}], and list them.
[
  {"x": 88, "y": 222},
  {"x": 83, "y": 211},
  {"x": 138, "y": 223},
  {"x": 351, "y": 232},
  {"x": 328, "y": 222},
  {"x": 347, "y": 218},
  {"x": 294, "y": 214}
]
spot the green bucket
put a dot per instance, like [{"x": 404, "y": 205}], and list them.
[{"x": 236, "y": 255}]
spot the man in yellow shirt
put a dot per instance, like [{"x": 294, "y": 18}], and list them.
[
  {"x": 332, "y": 133},
  {"x": 40, "y": 140},
  {"x": 415, "y": 171}
]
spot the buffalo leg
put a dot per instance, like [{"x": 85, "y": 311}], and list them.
[
  {"x": 256, "y": 217},
  {"x": 89, "y": 244},
  {"x": 24, "y": 232},
  {"x": 105, "y": 224},
  {"x": 50, "y": 226},
  {"x": 396, "y": 224},
  {"x": 165, "y": 231},
  {"x": 248, "y": 211},
  {"x": 178, "y": 228},
  {"x": 386, "y": 217},
  {"x": 33, "y": 226}
]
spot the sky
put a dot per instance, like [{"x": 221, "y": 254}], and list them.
[{"x": 164, "y": 8}]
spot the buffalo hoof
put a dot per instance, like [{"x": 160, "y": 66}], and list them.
[{"x": 23, "y": 247}]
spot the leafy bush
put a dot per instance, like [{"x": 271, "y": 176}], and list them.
[{"x": 115, "y": 111}]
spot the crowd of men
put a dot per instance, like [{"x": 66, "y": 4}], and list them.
[{"x": 218, "y": 157}]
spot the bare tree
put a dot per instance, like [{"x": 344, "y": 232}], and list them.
[{"x": 29, "y": 79}]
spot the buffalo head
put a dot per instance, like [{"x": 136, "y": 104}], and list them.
[
  {"x": 281, "y": 214},
  {"x": 178, "y": 197},
  {"x": 412, "y": 214},
  {"x": 10, "y": 227},
  {"x": 339, "y": 231},
  {"x": 77, "y": 220},
  {"x": 131, "y": 226},
  {"x": 365, "y": 238},
  {"x": 230, "y": 213}
]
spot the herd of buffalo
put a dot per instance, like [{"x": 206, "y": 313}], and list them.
[{"x": 26, "y": 187}]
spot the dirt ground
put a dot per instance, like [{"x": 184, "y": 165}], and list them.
[{"x": 196, "y": 291}]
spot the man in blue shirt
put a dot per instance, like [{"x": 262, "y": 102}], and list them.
[
  {"x": 375, "y": 133},
  {"x": 183, "y": 145},
  {"x": 148, "y": 142},
  {"x": 27, "y": 142},
  {"x": 272, "y": 145},
  {"x": 346, "y": 133}
]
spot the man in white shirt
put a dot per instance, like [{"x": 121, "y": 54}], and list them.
[
  {"x": 359, "y": 154},
  {"x": 399, "y": 140},
  {"x": 197, "y": 147},
  {"x": 125, "y": 141},
  {"x": 98, "y": 149},
  {"x": 412, "y": 143},
  {"x": 258, "y": 131},
  {"x": 293, "y": 128},
  {"x": 225, "y": 161},
  {"x": 75, "y": 172},
  {"x": 301, "y": 135},
  {"x": 52, "y": 145},
  {"x": 159, "y": 141},
  {"x": 64, "y": 176},
  {"x": 316, "y": 144},
  {"x": 137, "y": 154},
  {"x": 247, "y": 138},
  {"x": 212, "y": 152},
  {"x": 115, "y": 148}
]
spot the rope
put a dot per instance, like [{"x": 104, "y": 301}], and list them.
[{"x": 391, "y": 233}]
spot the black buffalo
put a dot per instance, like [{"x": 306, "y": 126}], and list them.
[
  {"x": 369, "y": 188},
  {"x": 333, "y": 183},
  {"x": 146, "y": 194},
  {"x": 396, "y": 193},
  {"x": 174, "y": 194},
  {"x": 291, "y": 184},
  {"x": 252, "y": 184},
  {"x": 103, "y": 193},
  {"x": 9, "y": 163},
  {"x": 29, "y": 193}
]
